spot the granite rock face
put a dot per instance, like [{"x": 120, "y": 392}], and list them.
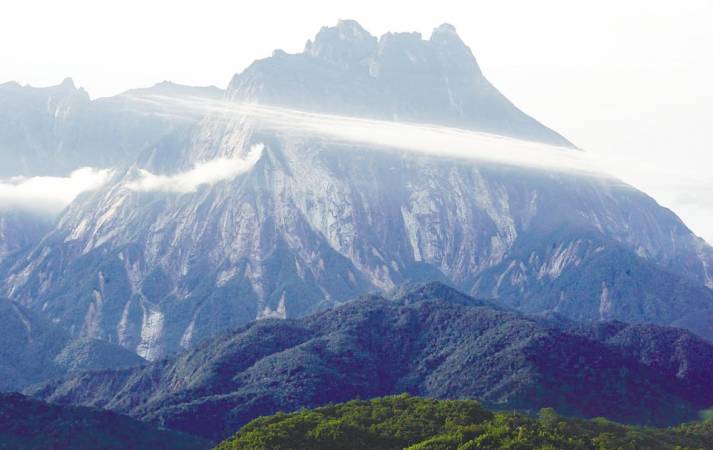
[{"x": 399, "y": 76}]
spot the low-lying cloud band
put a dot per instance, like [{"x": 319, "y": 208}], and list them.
[
  {"x": 49, "y": 195},
  {"x": 207, "y": 172},
  {"x": 418, "y": 138}
]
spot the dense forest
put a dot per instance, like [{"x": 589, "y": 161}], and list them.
[
  {"x": 29, "y": 424},
  {"x": 414, "y": 423}
]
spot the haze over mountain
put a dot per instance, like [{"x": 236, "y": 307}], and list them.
[
  {"x": 33, "y": 349},
  {"x": 19, "y": 230},
  {"x": 301, "y": 220}
]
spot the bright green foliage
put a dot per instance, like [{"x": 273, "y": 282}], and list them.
[
  {"x": 388, "y": 423},
  {"x": 422, "y": 424}
]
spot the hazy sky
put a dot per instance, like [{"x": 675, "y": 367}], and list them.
[{"x": 630, "y": 82}]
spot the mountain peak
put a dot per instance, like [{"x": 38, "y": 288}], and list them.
[
  {"x": 68, "y": 83},
  {"x": 346, "y": 70},
  {"x": 445, "y": 30},
  {"x": 344, "y": 43},
  {"x": 456, "y": 54},
  {"x": 349, "y": 27},
  {"x": 435, "y": 290},
  {"x": 70, "y": 90}
]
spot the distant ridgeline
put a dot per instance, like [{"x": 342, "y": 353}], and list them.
[
  {"x": 27, "y": 424},
  {"x": 383, "y": 423},
  {"x": 420, "y": 424}
]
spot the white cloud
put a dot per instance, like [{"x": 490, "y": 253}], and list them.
[
  {"x": 378, "y": 134},
  {"x": 208, "y": 172},
  {"x": 49, "y": 195}
]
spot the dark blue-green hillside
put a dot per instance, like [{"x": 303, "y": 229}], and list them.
[
  {"x": 427, "y": 340},
  {"x": 27, "y": 424}
]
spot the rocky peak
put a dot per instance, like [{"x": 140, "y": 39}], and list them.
[
  {"x": 67, "y": 92},
  {"x": 344, "y": 44},
  {"x": 445, "y": 33},
  {"x": 66, "y": 88},
  {"x": 68, "y": 83},
  {"x": 397, "y": 45},
  {"x": 347, "y": 71},
  {"x": 454, "y": 54}
]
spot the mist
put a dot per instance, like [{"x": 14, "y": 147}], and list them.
[
  {"x": 49, "y": 195},
  {"x": 203, "y": 173},
  {"x": 426, "y": 139}
]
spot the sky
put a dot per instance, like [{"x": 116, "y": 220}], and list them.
[{"x": 628, "y": 82}]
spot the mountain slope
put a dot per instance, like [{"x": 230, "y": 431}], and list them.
[
  {"x": 57, "y": 129},
  {"x": 184, "y": 266},
  {"x": 32, "y": 349},
  {"x": 19, "y": 230},
  {"x": 430, "y": 341},
  {"x": 679, "y": 354},
  {"x": 584, "y": 276},
  {"x": 30, "y": 424}
]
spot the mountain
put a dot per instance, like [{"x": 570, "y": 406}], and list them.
[
  {"x": 427, "y": 340},
  {"x": 54, "y": 130},
  {"x": 33, "y": 349},
  {"x": 168, "y": 88},
  {"x": 322, "y": 217},
  {"x": 20, "y": 230},
  {"x": 609, "y": 281},
  {"x": 410, "y": 423},
  {"x": 399, "y": 76},
  {"x": 31, "y": 424}
]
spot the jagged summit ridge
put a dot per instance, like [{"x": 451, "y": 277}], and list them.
[
  {"x": 445, "y": 29},
  {"x": 348, "y": 41},
  {"x": 400, "y": 76},
  {"x": 69, "y": 83},
  {"x": 66, "y": 90}
]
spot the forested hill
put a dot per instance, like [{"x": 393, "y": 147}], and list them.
[
  {"x": 27, "y": 424},
  {"x": 428, "y": 340},
  {"x": 420, "y": 424}
]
